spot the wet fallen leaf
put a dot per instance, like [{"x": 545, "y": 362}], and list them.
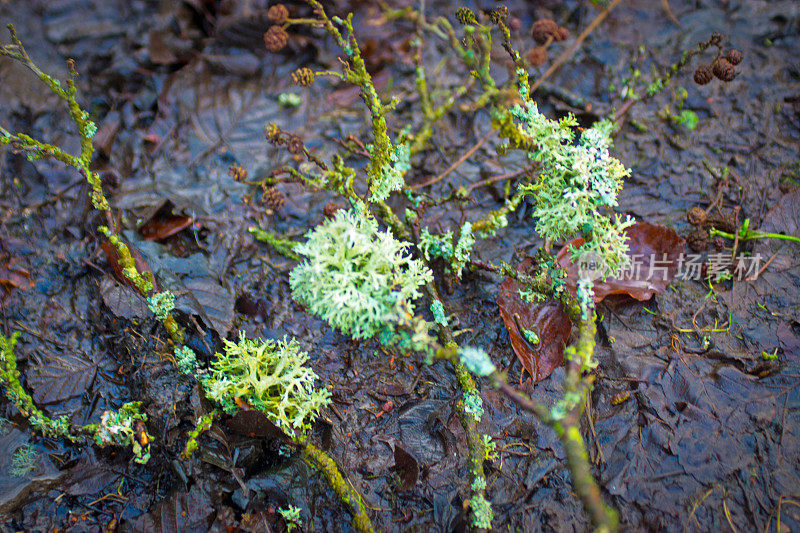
[
  {"x": 789, "y": 340},
  {"x": 655, "y": 252},
  {"x": 406, "y": 466},
  {"x": 63, "y": 376},
  {"x": 547, "y": 320},
  {"x": 182, "y": 512},
  {"x": 215, "y": 303},
  {"x": 123, "y": 300},
  {"x": 254, "y": 423},
  {"x": 14, "y": 278},
  {"x": 112, "y": 256},
  {"x": 160, "y": 228}
]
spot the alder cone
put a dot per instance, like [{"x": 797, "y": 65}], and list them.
[
  {"x": 278, "y": 14},
  {"x": 734, "y": 57},
  {"x": 537, "y": 56},
  {"x": 723, "y": 69},
  {"x": 703, "y": 75},
  {"x": 542, "y": 29},
  {"x": 275, "y": 38}
]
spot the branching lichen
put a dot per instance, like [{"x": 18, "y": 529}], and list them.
[
  {"x": 270, "y": 376},
  {"x": 291, "y": 515},
  {"x": 355, "y": 277},
  {"x": 576, "y": 181}
]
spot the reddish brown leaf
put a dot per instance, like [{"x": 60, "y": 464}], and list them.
[
  {"x": 112, "y": 256},
  {"x": 14, "y": 278},
  {"x": 655, "y": 252},
  {"x": 160, "y": 228},
  {"x": 547, "y": 319}
]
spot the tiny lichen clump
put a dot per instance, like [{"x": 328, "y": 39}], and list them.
[
  {"x": 473, "y": 404},
  {"x": 489, "y": 449},
  {"x": 576, "y": 181},
  {"x": 291, "y": 516},
  {"x": 438, "y": 313},
  {"x": 477, "y": 361},
  {"x": 356, "y": 278},
  {"x": 482, "y": 513},
  {"x": 119, "y": 428},
  {"x": 392, "y": 177},
  {"x": 270, "y": 376},
  {"x": 433, "y": 246},
  {"x": 585, "y": 293},
  {"x": 463, "y": 248},
  {"x": 186, "y": 360},
  {"x": 23, "y": 461},
  {"x": 161, "y": 304}
]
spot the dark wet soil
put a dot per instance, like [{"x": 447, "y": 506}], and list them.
[{"x": 707, "y": 439}]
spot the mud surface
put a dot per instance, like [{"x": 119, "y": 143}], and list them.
[{"x": 708, "y": 436}]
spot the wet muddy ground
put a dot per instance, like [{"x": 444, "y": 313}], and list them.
[{"x": 708, "y": 436}]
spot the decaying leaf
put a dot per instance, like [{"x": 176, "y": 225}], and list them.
[
  {"x": 63, "y": 376},
  {"x": 158, "y": 228},
  {"x": 215, "y": 303},
  {"x": 112, "y": 256},
  {"x": 182, "y": 512},
  {"x": 122, "y": 300},
  {"x": 546, "y": 320},
  {"x": 655, "y": 252}
]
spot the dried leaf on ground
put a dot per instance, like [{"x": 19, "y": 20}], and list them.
[{"x": 655, "y": 253}]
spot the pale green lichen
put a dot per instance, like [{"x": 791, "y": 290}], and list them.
[
  {"x": 482, "y": 513},
  {"x": 291, "y": 515},
  {"x": 438, "y": 313},
  {"x": 23, "y": 461},
  {"x": 186, "y": 360},
  {"x": 463, "y": 249},
  {"x": 120, "y": 428},
  {"x": 530, "y": 336},
  {"x": 89, "y": 129},
  {"x": 289, "y": 99},
  {"x": 479, "y": 484},
  {"x": 392, "y": 176},
  {"x": 585, "y": 293},
  {"x": 473, "y": 404},
  {"x": 433, "y": 246},
  {"x": 355, "y": 277},
  {"x": 477, "y": 361},
  {"x": 161, "y": 304},
  {"x": 576, "y": 181},
  {"x": 270, "y": 376},
  {"x": 489, "y": 449}
]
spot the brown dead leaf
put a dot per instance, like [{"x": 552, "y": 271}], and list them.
[{"x": 547, "y": 319}]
